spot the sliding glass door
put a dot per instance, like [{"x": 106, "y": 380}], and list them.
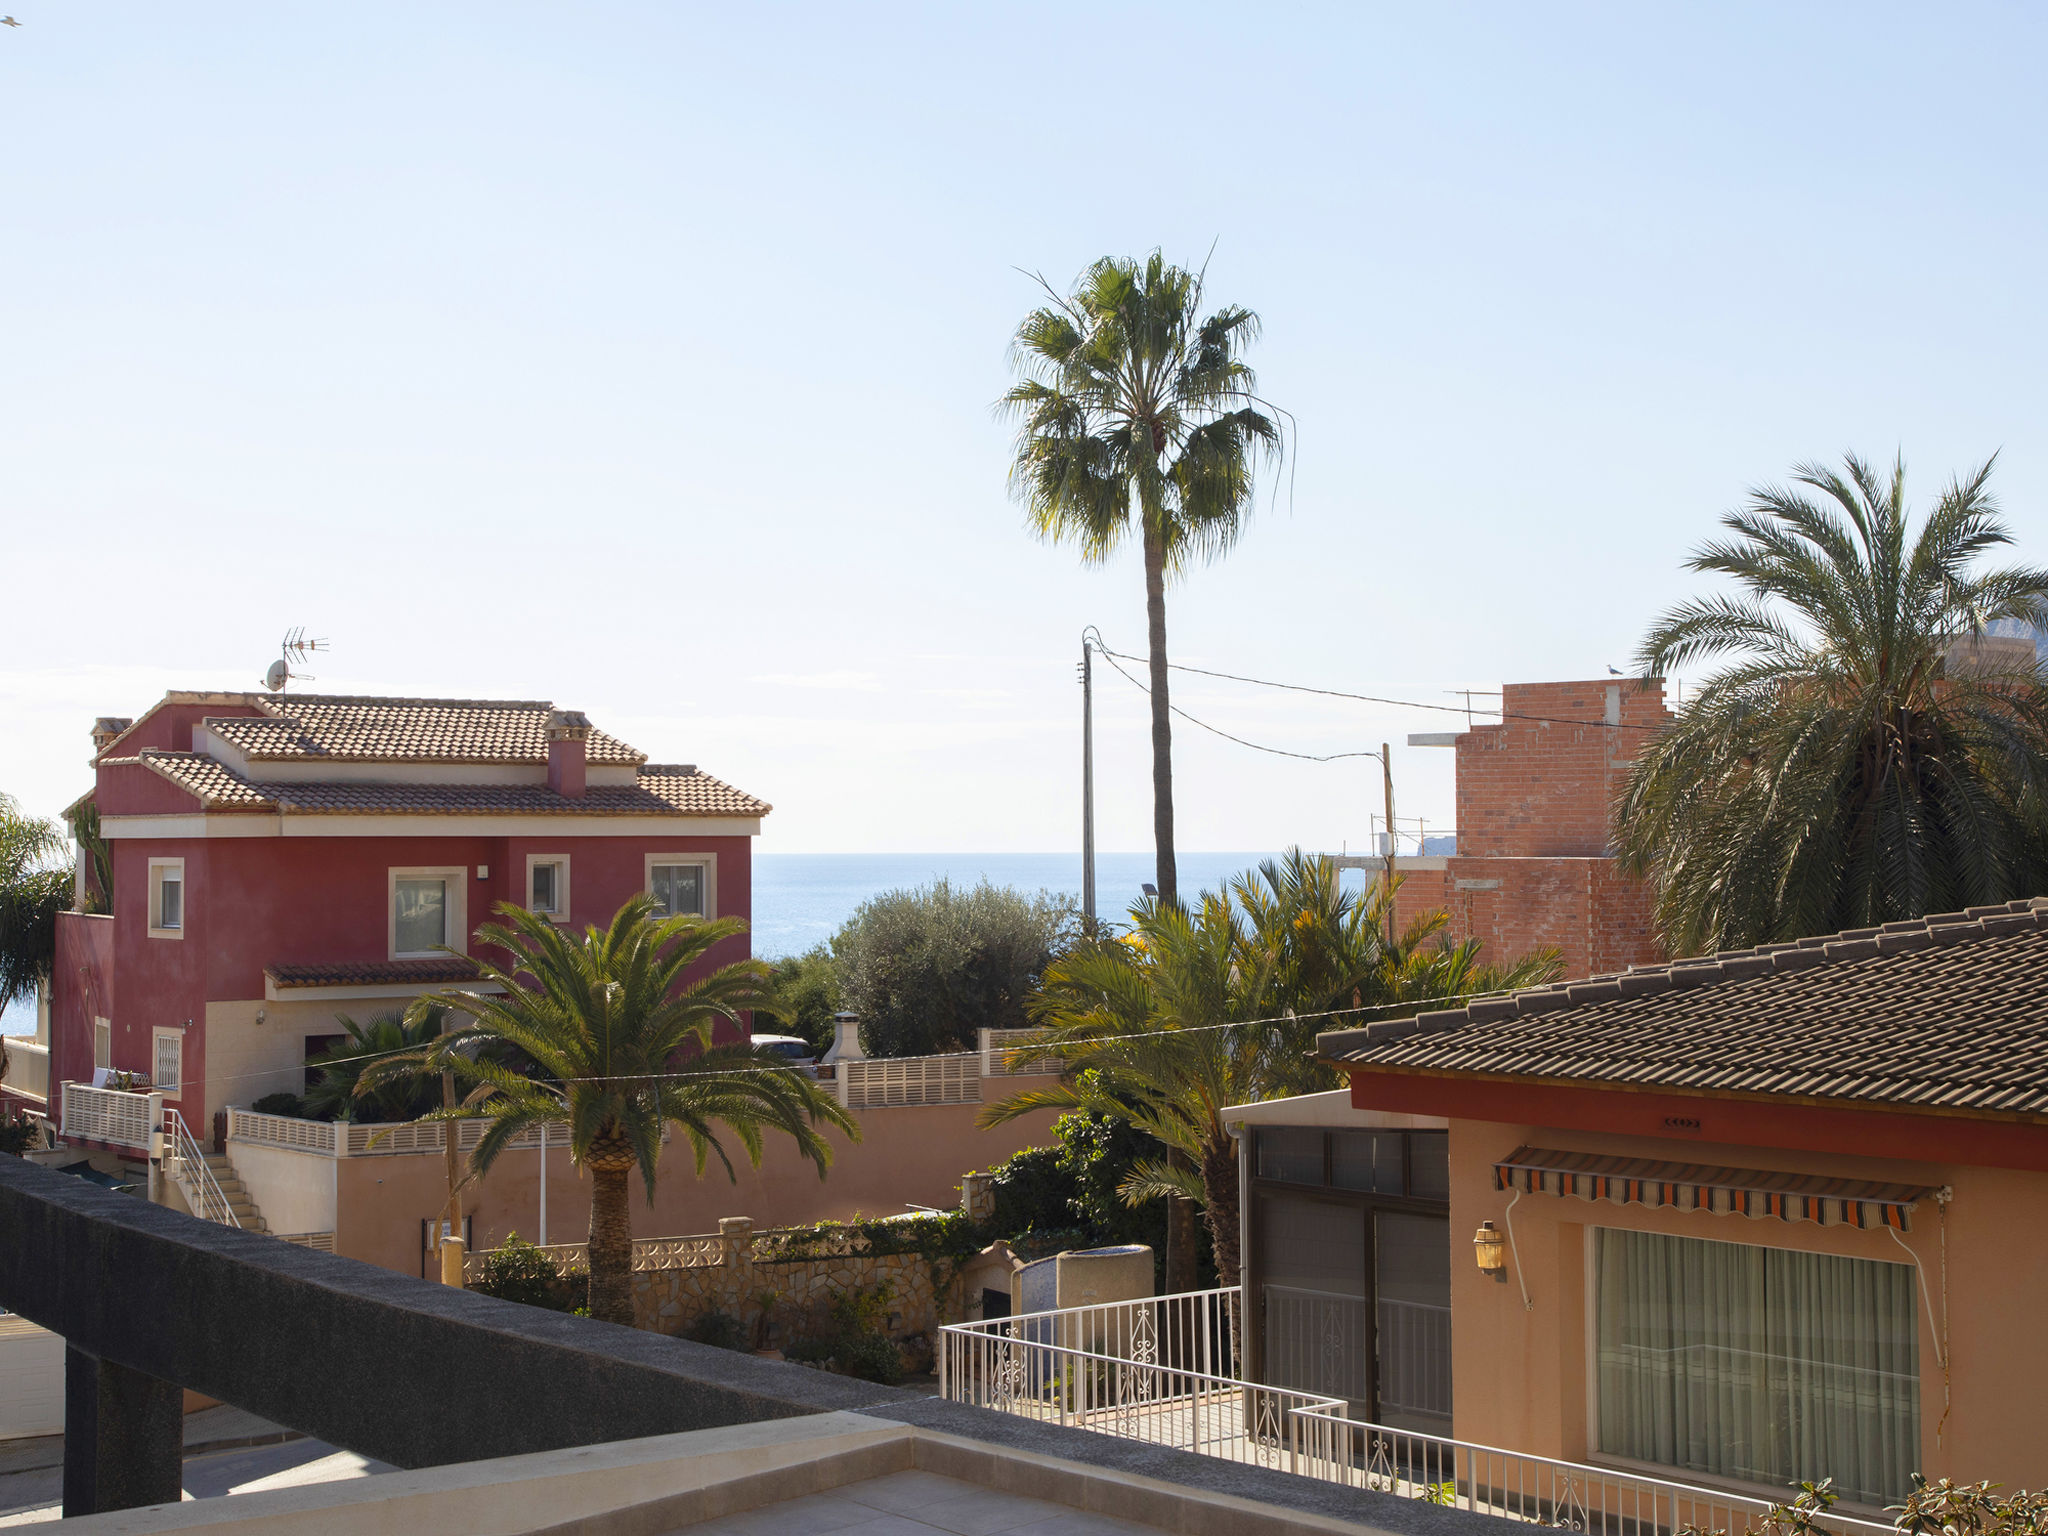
[
  {"x": 1412, "y": 1314},
  {"x": 1761, "y": 1364}
]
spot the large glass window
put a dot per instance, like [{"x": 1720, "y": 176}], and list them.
[
  {"x": 1762, "y": 1364},
  {"x": 420, "y": 916},
  {"x": 677, "y": 888},
  {"x": 1312, "y": 1285}
]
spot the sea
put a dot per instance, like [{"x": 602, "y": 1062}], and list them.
[{"x": 802, "y": 899}]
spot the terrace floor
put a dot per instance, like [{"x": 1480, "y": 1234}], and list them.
[{"x": 916, "y": 1504}]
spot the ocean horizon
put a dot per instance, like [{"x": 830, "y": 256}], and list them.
[{"x": 802, "y": 899}]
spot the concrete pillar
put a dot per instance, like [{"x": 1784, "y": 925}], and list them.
[{"x": 124, "y": 1436}]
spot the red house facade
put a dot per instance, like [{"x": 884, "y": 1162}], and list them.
[{"x": 279, "y": 860}]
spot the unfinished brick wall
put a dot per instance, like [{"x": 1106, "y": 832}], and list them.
[{"x": 1532, "y": 869}]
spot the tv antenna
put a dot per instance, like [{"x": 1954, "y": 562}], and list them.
[{"x": 291, "y": 656}]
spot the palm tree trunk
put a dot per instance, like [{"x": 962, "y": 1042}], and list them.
[
  {"x": 1162, "y": 720},
  {"x": 1219, "y": 1186},
  {"x": 611, "y": 1247}
]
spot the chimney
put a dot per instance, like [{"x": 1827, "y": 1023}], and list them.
[
  {"x": 568, "y": 742},
  {"x": 105, "y": 729}
]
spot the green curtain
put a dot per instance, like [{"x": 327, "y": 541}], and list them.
[{"x": 1758, "y": 1363}]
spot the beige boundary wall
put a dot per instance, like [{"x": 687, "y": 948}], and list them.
[{"x": 909, "y": 1156}]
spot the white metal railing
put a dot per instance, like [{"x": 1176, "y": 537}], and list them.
[
  {"x": 185, "y": 1161},
  {"x": 28, "y": 1068},
  {"x": 888, "y": 1081},
  {"x": 996, "y": 1048},
  {"x": 1135, "y": 1370},
  {"x": 110, "y": 1115},
  {"x": 345, "y": 1138}
]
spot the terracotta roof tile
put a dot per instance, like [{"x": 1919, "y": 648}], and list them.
[
  {"x": 1950, "y": 1012},
  {"x": 218, "y": 787},
  {"x": 369, "y": 973},
  {"x": 327, "y": 727},
  {"x": 665, "y": 790}
]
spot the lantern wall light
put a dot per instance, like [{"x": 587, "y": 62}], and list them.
[{"x": 1491, "y": 1250}]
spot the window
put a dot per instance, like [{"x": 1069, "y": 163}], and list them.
[
  {"x": 169, "y": 1062},
  {"x": 1761, "y": 1364},
  {"x": 1415, "y": 1164},
  {"x": 102, "y": 1042},
  {"x": 427, "y": 907},
  {"x": 547, "y": 884},
  {"x": 680, "y": 884},
  {"x": 167, "y": 898}
]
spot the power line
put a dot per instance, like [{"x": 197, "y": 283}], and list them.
[
  {"x": 1307, "y": 757},
  {"x": 1365, "y": 698}
]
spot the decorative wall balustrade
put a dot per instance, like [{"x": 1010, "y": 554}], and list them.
[{"x": 112, "y": 1116}]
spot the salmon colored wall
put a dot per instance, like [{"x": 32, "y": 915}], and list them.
[
  {"x": 1520, "y": 1377},
  {"x": 908, "y": 1155}
]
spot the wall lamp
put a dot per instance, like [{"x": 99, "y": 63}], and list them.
[{"x": 1491, "y": 1249}]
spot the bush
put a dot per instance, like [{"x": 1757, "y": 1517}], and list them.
[
  {"x": 853, "y": 1341},
  {"x": 519, "y": 1271},
  {"x": 721, "y": 1330},
  {"x": 807, "y": 987},
  {"x": 19, "y": 1134},
  {"x": 927, "y": 968},
  {"x": 281, "y": 1104}
]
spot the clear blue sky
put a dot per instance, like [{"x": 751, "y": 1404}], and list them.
[{"x": 640, "y": 357}]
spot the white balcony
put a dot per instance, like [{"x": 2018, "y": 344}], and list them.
[{"x": 28, "y": 1068}]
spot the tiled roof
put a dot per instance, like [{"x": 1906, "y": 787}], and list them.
[
  {"x": 218, "y": 787},
  {"x": 661, "y": 791},
  {"x": 1945, "y": 1013},
  {"x": 373, "y": 973},
  {"x": 338, "y": 728}
]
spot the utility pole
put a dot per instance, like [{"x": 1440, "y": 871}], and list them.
[
  {"x": 1087, "y": 670},
  {"x": 1387, "y": 771}
]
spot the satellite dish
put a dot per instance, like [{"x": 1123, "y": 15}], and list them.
[{"x": 277, "y": 676}]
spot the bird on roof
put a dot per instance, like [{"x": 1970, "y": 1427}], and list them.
[{"x": 1614, "y": 671}]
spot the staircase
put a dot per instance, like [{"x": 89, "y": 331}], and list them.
[{"x": 237, "y": 1193}]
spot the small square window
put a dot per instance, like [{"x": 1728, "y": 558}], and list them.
[
  {"x": 420, "y": 915},
  {"x": 1292, "y": 1154},
  {"x": 1368, "y": 1160},
  {"x": 677, "y": 889},
  {"x": 167, "y": 898}
]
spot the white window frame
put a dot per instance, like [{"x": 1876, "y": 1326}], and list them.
[
  {"x": 456, "y": 879},
  {"x": 102, "y": 1042},
  {"x": 157, "y": 1037},
  {"x": 709, "y": 863},
  {"x": 158, "y": 868},
  {"x": 560, "y": 914}
]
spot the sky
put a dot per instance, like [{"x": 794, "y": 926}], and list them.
[{"x": 641, "y": 358}]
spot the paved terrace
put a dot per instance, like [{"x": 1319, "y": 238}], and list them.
[{"x": 424, "y": 1376}]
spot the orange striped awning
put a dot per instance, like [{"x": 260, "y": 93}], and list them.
[{"x": 1754, "y": 1192}]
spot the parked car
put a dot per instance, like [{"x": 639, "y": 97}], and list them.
[{"x": 795, "y": 1047}]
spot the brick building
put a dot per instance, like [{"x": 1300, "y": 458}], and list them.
[{"x": 1533, "y": 867}]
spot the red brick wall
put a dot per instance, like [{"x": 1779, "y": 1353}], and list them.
[{"x": 1532, "y": 870}]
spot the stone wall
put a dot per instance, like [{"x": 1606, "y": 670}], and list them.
[{"x": 669, "y": 1300}]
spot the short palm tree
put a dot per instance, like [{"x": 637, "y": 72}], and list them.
[
  {"x": 34, "y": 887},
  {"x": 618, "y": 1036},
  {"x": 1196, "y": 1010},
  {"x": 1138, "y": 416},
  {"x": 1858, "y": 761},
  {"x": 333, "y": 1095}
]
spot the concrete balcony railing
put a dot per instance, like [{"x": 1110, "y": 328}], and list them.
[
  {"x": 112, "y": 1116},
  {"x": 28, "y": 1069}
]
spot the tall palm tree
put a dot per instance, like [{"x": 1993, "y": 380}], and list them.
[
  {"x": 619, "y": 1038},
  {"x": 1197, "y": 1010},
  {"x": 1137, "y": 414},
  {"x": 1859, "y": 759},
  {"x": 34, "y": 888}
]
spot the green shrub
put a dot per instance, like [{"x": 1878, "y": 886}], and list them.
[
  {"x": 854, "y": 1341},
  {"x": 519, "y": 1271},
  {"x": 19, "y": 1134},
  {"x": 807, "y": 988},
  {"x": 721, "y": 1330},
  {"x": 926, "y": 968},
  {"x": 872, "y": 1357},
  {"x": 281, "y": 1104}
]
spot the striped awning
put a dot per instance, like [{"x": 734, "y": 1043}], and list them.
[{"x": 1755, "y": 1192}]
